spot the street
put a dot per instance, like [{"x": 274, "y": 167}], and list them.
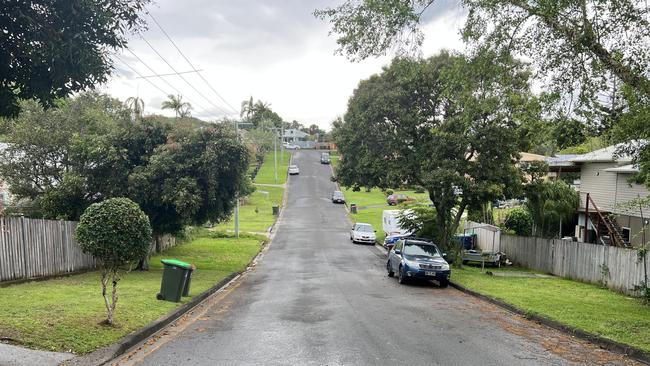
[{"x": 315, "y": 298}]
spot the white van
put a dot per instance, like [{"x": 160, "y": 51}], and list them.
[{"x": 390, "y": 222}]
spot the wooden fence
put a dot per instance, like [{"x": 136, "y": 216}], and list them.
[
  {"x": 620, "y": 269},
  {"x": 33, "y": 248}
]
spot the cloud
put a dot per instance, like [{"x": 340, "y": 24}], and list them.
[{"x": 275, "y": 51}]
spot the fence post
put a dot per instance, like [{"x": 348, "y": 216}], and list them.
[{"x": 24, "y": 246}]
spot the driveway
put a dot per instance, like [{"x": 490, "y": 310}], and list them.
[{"x": 315, "y": 298}]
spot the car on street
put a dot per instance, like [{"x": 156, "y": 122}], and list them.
[
  {"x": 418, "y": 259},
  {"x": 324, "y": 158},
  {"x": 363, "y": 233},
  {"x": 289, "y": 146},
  {"x": 293, "y": 170},
  {"x": 395, "y": 199},
  {"x": 338, "y": 197}
]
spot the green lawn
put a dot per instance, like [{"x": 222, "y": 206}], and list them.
[
  {"x": 588, "y": 307},
  {"x": 262, "y": 201},
  {"x": 334, "y": 158},
  {"x": 373, "y": 215},
  {"x": 65, "y": 313},
  {"x": 266, "y": 175}
]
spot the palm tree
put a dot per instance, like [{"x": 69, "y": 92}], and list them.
[
  {"x": 247, "y": 109},
  {"x": 136, "y": 105},
  {"x": 175, "y": 102}
]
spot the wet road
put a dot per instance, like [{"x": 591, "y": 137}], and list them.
[{"x": 316, "y": 299}]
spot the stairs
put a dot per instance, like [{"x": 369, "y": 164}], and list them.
[{"x": 608, "y": 231}]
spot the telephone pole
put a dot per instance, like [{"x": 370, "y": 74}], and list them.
[{"x": 237, "y": 195}]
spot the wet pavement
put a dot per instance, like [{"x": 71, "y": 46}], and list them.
[{"x": 315, "y": 298}]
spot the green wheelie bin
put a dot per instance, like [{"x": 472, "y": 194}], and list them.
[{"x": 175, "y": 277}]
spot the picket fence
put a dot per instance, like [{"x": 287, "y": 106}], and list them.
[
  {"x": 620, "y": 269},
  {"x": 34, "y": 248}
]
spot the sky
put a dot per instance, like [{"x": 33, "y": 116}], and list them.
[{"x": 273, "y": 50}]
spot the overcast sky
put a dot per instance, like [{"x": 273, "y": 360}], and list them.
[{"x": 273, "y": 50}]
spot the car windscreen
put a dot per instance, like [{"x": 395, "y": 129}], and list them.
[
  {"x": 293, "y": 167},
  {"x": 364, "y": 228},
  {"x": 338, "y": 194},
  {"x": 421, "y": 249}
]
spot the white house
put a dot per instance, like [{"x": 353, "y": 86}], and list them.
[
  {"x": 293, "y": 135},
  {"x": 605, "y": 186},
  {"x": 5, "y": 194}
]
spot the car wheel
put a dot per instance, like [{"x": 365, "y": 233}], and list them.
[
  {"x": 389, "y": 269},
  {"x": 443, "y": 283},
  {"x": 402, "y": 277}
]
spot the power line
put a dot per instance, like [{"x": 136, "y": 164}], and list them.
[
  {"x": 182, "y": 77},
  {"x": 191, "y": 65},
  {"x": 166, "y": 82},
  {"x": 149, "y": 81},
  {"x": 170, "y": 74}
]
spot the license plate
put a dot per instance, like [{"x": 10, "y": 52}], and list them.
[{"x": 430, "y": 273}]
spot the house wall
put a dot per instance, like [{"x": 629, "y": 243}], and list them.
[
  {"x": 626, "y": 191},
  {"x": 635, "y": 224},
  {"x": 599, "y": 184}
]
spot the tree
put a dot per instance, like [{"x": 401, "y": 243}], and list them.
[
  {"x": 116, "y": 232},
  {"x": 447, "y": 123},
  {"x": 550, "y": 203},
  {"x": 574, "y": 41},
  {"x": 51, "y": 49},
  {"x": 136, "y": 105},
  {"x": 175, "y": 103},
  {"x": 568, "y": 132},
  {"x": 259, "y": 114},
  {"x": 519, "y": 221}
]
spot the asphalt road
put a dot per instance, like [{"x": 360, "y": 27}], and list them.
[{"x": 317, "y": 299}]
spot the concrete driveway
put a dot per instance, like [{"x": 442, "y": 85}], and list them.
[{"x": 317, "y": 299}]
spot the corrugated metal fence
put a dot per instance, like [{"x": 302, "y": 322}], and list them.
[
  {"x": 32, "y": 248},
  {"x": 620, "y": 269}
]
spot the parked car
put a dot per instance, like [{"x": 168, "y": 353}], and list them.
[
  {"x": 395, "y": 199},
  {"x": 324, "y": 158},
  {"x": 363, "y": 233},
  {"x": 289, "y": 146},
  {"x": 338, "y": 197},
  {"x": 418, "y": 259},
  {"x": 293, "y": 170}
]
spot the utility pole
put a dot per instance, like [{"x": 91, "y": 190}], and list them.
[
  {"x": 275, "y": 155},
  {"x": 237, "y": 195},
  {"x": 282, "y": 142}
]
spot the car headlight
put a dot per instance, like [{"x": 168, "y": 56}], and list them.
[{"x": 445, "y": 267}]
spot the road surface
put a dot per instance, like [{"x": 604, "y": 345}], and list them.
[{"x": 315, "y": 298}]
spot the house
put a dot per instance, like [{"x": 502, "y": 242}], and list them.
[
  {"x": 5, "y": 194},
  {"x": 293, "y": 135},
  {"x": 605, "y": 185}
]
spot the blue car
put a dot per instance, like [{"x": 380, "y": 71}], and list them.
[{"x": 418, "y": 259}]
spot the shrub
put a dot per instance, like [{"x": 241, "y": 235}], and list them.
[
  {"x": 419, "y": 189},
  {"x": 116, "y": 232},
  {"x": 519, "y": 221},
  {"x": 389, "y": 192}
]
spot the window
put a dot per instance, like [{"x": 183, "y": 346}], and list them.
[{"x": 626, "y": 233}]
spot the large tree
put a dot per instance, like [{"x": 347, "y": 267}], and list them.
[
  {"x": 580, "y": 43},
  {"x": 52, "y": 48},
  {"x": 446, "y": 123}
]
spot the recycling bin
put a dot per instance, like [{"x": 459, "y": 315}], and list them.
[
  {"x": 353, "y": 208},
  {"x": 174, "y": 279},
  {"x": 276, "y": 210},
  {"x": 188, "y": 281}
]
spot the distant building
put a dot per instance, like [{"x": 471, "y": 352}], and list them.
[
  {"x": 5, "y": 195},
  {"x": 293, "y": 135}
]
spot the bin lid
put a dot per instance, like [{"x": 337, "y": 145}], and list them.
[{"x": 177, "y": 263}]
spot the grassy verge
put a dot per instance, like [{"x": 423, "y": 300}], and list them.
[
  {"x": 256, "y": 214},
  {"x": 64, "y": 314},
  {"x": 266, "y": 175},
  {"x": 334, "y": 158},
  {"x": 372, "y": 204},
  {"x": 588, "y": 307}
]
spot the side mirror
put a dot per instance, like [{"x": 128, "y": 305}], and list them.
[
  {"x": 397, "y": 251},
  {"x": 444, "y": 255}
]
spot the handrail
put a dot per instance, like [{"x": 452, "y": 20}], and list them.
[{"x": 602, "y": 219}]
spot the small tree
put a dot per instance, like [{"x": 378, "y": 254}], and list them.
[
  {"x": 116, "y": 232},
  {"x": 519, "y": 221}
]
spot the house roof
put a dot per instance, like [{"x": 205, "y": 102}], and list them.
[
  {"x": 531, "y": 157},
  {"x": 630, "y": 168},
  {"x": 604, "y": 155},
  {"x": 561, "y": 160},
  {"x": 292, "y": 132}
]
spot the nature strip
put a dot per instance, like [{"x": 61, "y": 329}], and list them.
[{"x": 607, "y": 344}]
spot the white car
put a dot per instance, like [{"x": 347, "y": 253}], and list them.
[
  {"x": 291, "y": 147},
  {"x": 293, "y": 170},
  {"x": 363, "y": 233}
]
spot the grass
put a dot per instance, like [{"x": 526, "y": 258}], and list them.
[
  {"x": 256, "y": 215},
  {"x": 376, "y": 199},
  {"x": 266, "y": 175},
  {"x": 64, "y": 314},
  {"x": 588, "y": 307},
  {"x": 334, "y": 158}
]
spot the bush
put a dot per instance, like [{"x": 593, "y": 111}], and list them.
[
  {"x": 388, "y": 192},
  {"x": 116, "y": 232},
  {"x": 418, "y": 189},
  {"x": 519, "y": 221}
]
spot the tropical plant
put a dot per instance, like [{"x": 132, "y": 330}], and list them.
[
  {"x": 116, "y": 232},
  {"x": 136, "y": 105},
  {"x": 550, "y": 203},
  {"x": 175, "y": 103}
]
